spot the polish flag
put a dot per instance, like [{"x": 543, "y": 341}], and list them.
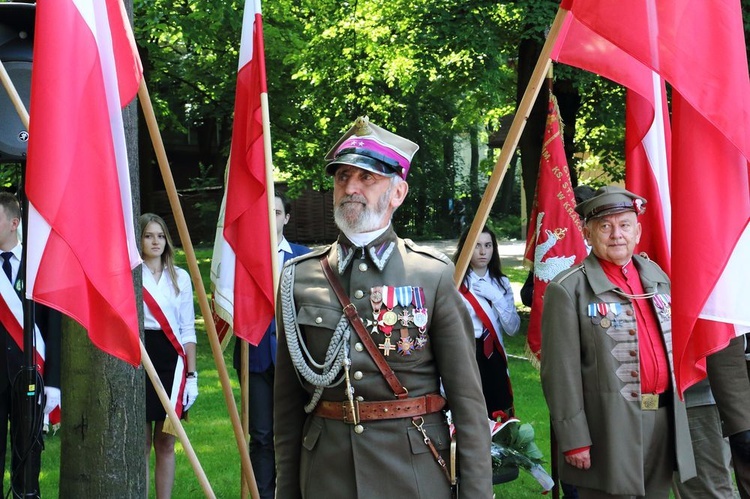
[
  {"x": 242, "y": 269},
  {"x": 81, "y": 239},
  {"x": 647, "y": 162},
  {"x": 699, "y": 49}
]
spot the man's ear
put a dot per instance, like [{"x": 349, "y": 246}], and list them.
[
  {"x": 14, "y": 223},
  {"x": 400, "y": 191},
  {"x": 286, "y": 218}
]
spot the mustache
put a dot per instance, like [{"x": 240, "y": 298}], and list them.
[{"x": 353, "y": 198}]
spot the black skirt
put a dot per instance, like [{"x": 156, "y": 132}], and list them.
[
  {"x": 164, "y": 357},
  {"x": 498, "y": 393}
]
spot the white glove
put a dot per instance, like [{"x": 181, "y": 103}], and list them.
[
  {"x": 191, "y": 393},
  {"x": 487, "y": 291},
  {"x": 52, "y": 397}
]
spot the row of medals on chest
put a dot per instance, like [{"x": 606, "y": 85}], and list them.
[
  {"x": 385, "y": 319},
  {"x": 606, "y": 314}
]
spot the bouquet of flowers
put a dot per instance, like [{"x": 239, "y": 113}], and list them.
[{"x": 513, "y": 446}]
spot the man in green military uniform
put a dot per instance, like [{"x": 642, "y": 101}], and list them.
[
  {"x": 607, "y": 367},
  {"x": 361, "y": 414}
]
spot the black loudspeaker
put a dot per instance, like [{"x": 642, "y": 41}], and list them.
[{"x": 16, "y": 46}]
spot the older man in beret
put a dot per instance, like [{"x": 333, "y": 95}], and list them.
[
  {"x": 369, "y": 329},
  {"x": 607, "y": 367}
]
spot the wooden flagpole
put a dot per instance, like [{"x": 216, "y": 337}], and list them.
[
  {"x": 274, "y": 249},
  {"x": 14, "y": 97},
  {"x": 175, "y": 421},
  {"x": 511, "y": 142},
  {"x": 187, "y": 246}
]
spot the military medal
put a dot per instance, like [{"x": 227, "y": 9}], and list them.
[
  {"x": 376, "y": 300},
  {"x": 662, "y": 303},
  {"x": 405, "y": 344},
  {"x": 420, "y": 313},
  {"x": 390, "y": 318},
  {"x": 592, "y": 312},
  {"x": 605, "y": 323},
  {"x": 386, "y": 346},
  {"x": 404, "y": 317},
  {"x": 382, "y": 325},
  {"x": 421, "y": 341}
]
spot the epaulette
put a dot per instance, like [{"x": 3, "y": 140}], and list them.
[
  {"x": 644, "y": 255},
  {"x": 426, "y": 250},
  {"x": 567, "y": 273},
  {"x": 312, "y": 254}
]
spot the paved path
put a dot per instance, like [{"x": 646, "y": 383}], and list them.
[{"x": 511, "y": 252}]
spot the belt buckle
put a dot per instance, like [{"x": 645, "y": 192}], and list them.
[
  {"x": 350, "y": 411},
  {"x": 650, "y": 401}
]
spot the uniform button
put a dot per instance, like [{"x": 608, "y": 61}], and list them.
[
  {"x": 359, "y": 347},
  {"x": 357, "y": 375},
  {"x": 634, "y": 374},
  {"x": 360, "y": 398},
  {"x": 633, "y": 353},
  {"x": 632, "y": 332},
  {"x": 359, "y": 294},
  {"x": 359, "y": 428},
  {"x": 629, "y": 312},
  {"x": 362, "y": 267},
  {"x": 318, "y": 320},
  {"x": 633, "y": 394}
]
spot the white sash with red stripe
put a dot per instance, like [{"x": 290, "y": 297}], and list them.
[
  {"x": 11, "y": 315},
  {"x": 157, "y": 303}
]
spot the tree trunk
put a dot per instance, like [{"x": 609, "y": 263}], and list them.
[
  {"x": 103, "y": 422},
  {"x": 476, "y": 195},
  {"x": 104, "y": 409}
]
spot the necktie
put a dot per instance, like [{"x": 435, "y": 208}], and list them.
[
  {"x": 488, "y": 345},
  {"x": 6, "y": 265}
]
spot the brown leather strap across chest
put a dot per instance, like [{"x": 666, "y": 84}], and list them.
[{"x": 373, "y": 411}]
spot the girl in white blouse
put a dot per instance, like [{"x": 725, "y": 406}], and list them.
[
  {"x": 489, "y": 298},
  {"x": 169, "y": 323}
]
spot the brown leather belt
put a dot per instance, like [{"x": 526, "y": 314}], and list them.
[{"x": 390, "y": 409}]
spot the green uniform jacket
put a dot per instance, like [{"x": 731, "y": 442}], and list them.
[
  {"x": 321, "y": 458},
  {"x": 590, "y": 377}
]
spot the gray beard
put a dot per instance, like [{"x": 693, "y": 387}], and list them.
[{"x": 367, "y": 220}]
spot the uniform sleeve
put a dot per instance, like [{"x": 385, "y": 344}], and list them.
[
  {"x": 454, "y": 349},
  {"x": 185, "y": 308},
  {"x": 288, "y": 415},
  {"x": 506, "y": 309},
  {"x": 561, "y": 368}
]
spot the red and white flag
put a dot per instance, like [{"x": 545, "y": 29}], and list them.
[
  {"x": 241, "y": 269},
  {"x": 647, "y": 168},
  {"x": 555, "y": 238},
  {"x": 81, "y": 238},
  {"x": 699, "y": 49}
]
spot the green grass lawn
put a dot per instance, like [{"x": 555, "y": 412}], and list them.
[{"x": 211, "y": 435}]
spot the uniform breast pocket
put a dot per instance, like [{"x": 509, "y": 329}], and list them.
[{"x": 317, "y": 324}]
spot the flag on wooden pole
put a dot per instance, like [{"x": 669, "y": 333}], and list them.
[
  {"x": 555, "y": 236},
  {"x": 81, "y": 238},
  {"x": 699, "y": 49},
  {"x": 242, "y": 270}
]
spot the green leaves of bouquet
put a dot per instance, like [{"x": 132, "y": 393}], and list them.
[{"x": 513, "y": 445}]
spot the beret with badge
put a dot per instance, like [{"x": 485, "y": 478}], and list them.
[
  {"x": 609, "y": 200},
  {"x": 369, "y": 147}
]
